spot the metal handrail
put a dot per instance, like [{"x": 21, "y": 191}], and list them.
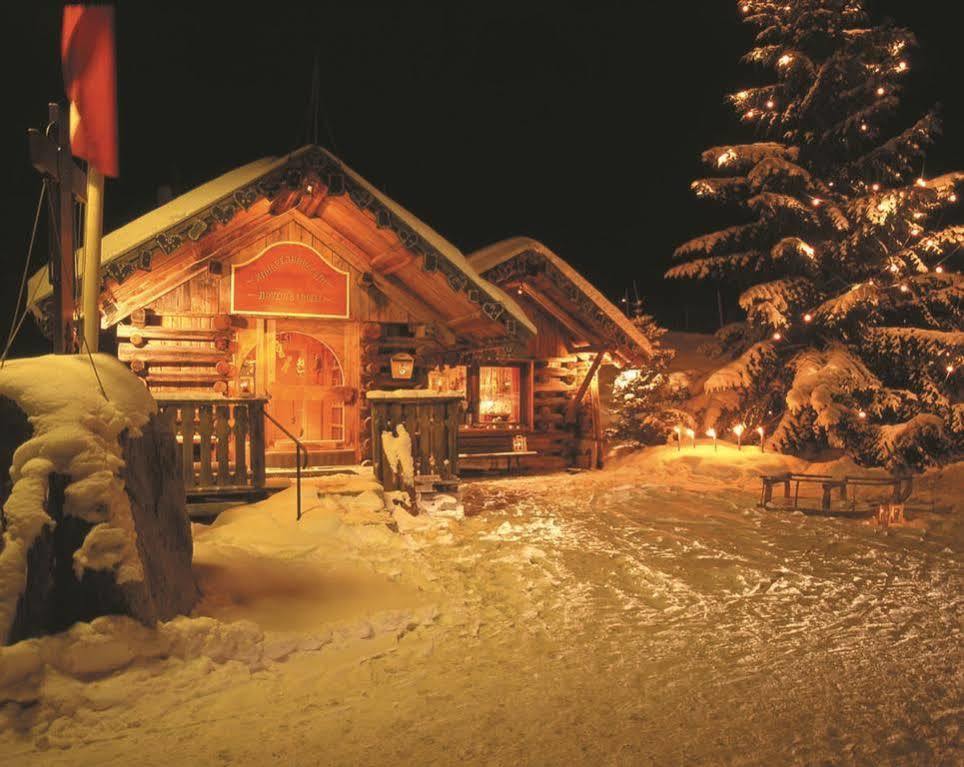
[{"x": 299, "y": 448}]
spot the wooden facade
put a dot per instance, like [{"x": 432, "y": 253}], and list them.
[{"x": 294, "y": 283}]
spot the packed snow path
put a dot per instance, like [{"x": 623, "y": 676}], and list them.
[{"x": 644, "y": 615}]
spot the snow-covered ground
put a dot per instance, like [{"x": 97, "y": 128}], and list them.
[{"x": 645, "y": 614}]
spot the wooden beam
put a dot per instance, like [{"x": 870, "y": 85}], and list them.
[
  {"x": 550, "y": 307},
  {"x": 583, "y": 387}
]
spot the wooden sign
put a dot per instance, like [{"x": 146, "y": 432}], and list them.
[{"x": 289, "y": 279}]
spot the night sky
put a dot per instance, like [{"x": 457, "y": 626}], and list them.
[{"x": 579, "y": 125}]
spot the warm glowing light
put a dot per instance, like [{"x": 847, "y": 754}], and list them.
[
  {"x": 808, "y": 249},
  {"x": 830, "y": 183},
  {"x": 777, "y": 336},
  {"x": 690, "y": 433},
  {"x": 915, "y": 230},
  {"x": 770, "y": 104},
  {"x": 939, "y": 269},
  {"x": 901, "y": 66},
  {"x": 894, "y": 268},
  {"x": 875, "y": 187},
  {"x": 750, "y": 114},
  {"x": 949, "y": 369},
  {"x": 741, "y": 95},
  {"x": 807, "y": 317},
  {"x": 952, "y": 197},
  {"x": 904, "y": 288},
  {"x": 881, "y": 91},
  {"x": 861, "y": 414},
  {"x": 711, "y": 432},
  {"x": 309, "y": 189},
  {"x": 816, "y": 202},
  {"x": 785, "y": 59},
  {"x": 918, "y": 215},
  {"x": 746, "y": 8},
  {"x": 921, "y": 182},
  {"x": 863, "y": 126},
  {"x": 728, "y": 156},
  {"x": 739, "y": 429}
]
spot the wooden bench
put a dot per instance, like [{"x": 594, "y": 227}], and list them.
[
  {"x": 494, "y": 446},
  {"x": 901, "y": 487}
]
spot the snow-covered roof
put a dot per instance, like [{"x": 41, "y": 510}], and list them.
[
  {"x": 489, "y": 257},
  {"x": 145, "y": 228}
]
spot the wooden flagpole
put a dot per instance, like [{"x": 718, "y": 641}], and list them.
[{"x": 93, "y": 230}]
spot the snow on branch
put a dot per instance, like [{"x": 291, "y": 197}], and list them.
[
  {"x": 741, "y": 372},
  {"x": 746, "y": 155},
  {"x": 863, "y": 296},
  {"x": 715, "y": 266},
  {"x": 712, "y": 244},
  {"x": 824, "y": 379},
  {"x": 769, "y": 303}
]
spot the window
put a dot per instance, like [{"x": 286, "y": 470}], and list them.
[{"x": 500, "y": 395}]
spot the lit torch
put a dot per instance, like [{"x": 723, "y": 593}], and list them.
[
  {"x": 759, "y": 430},
  {"x": 738, "y": 431}
]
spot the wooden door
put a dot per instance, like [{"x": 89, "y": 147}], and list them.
[{"x": 308, "y": 392}]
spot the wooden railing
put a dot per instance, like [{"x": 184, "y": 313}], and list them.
[{"x": 221, "y": 442}]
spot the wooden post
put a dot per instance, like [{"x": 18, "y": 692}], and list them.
[
  {"x": 51, "y": 156},
  {"x": 93, "y": 229},
  {"x": 583, "y": 387}
]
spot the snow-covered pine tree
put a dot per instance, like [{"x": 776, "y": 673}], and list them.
[
  {"x": 648, "y": 404},
  {"x": 845, "y": 251}
]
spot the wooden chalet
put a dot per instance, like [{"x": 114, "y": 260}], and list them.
[
  {"x": 262, "y": 307},
  {"x": 579, "y": 335}
]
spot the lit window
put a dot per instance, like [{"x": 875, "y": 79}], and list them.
[{"x": 500, "y": 395}]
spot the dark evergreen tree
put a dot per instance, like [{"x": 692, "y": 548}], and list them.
[{"x": 844, "y": 251}]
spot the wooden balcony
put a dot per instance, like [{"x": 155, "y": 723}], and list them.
[{"x": 222, "y": 445}]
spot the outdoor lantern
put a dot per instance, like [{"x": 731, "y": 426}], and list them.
[{"x": 403, "y": 365}]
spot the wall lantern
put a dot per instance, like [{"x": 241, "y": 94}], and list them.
[{"x": 403, "y": 365}]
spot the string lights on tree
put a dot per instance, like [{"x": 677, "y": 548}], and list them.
[{"x": 847, "y": 235}]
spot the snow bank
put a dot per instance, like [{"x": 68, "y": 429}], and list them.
[{"x": 75, "y": 433}]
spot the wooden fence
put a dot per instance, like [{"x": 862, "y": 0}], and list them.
[{"x": 221, "y": 443}]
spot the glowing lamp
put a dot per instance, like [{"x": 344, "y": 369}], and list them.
[
  {"x": 712, "y": 434},
  {"x": 894, "y": 268},
  {"x": 863, "y": 127},
  {"x": 921, "y": 182},
  {"x": 881, "y": 91},
  {"x": 403, "y": 366},
  {"x": 738, "y": 431},
  {"x": 807, "y": 317},
  {"x": 309, "y": 189},
  {"x": 939, "y": 269},
  {"x": 770, "y": 104},
  {"x": 816, "y": 202},
  {"x": 949, "y": 369},
  {"x": 875, "y": 187},
  {"x": 777, "y": 336},
  {"x": 952, "y": 197},
  {"x": 901, "y": 66},
  {"x": 759, "y": 430},
  {"x": 692, "y": 435},
  {"x": 918, "y": 215},
  {"x": 861, "y": 414},
  {"x": 904, "y": 288},
  {"x": 785, "y": 59}
]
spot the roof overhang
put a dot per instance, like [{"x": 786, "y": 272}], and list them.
[
  {"x": 528, "y": 266},
  {"x": 285, "y": 182}
]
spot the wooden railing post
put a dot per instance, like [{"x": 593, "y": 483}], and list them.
[{"x": 257, "y": 444}]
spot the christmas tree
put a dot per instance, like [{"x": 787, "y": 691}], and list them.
[{"x": 843, "y": 248}]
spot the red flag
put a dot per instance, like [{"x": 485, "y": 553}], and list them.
[{"x": 87, "y": 50}]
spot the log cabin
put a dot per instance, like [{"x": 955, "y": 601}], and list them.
[{"x": 263, "y": 308}]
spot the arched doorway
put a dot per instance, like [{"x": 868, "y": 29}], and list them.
[{"x": 307, "y": 395}]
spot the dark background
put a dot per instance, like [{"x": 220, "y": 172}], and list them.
[{"x": 578, "y": 124}]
